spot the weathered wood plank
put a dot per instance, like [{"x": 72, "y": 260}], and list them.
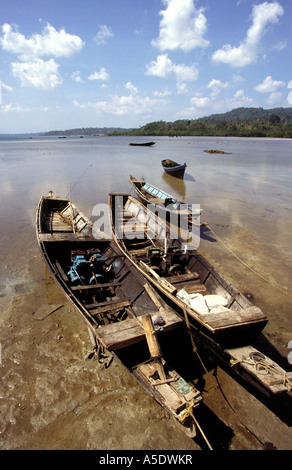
[
  {"x": 267, "y": 372},
  {"x": 96, "y": 286},
  {"x": 234, "y": 317},
  {"x": 107, "y": 306},
  {"x": 192, "y": 287},
  {"x": 182, "y": 278},
  {"x": 118, "y": 335}
]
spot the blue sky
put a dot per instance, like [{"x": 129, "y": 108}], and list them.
[{"x": 123, "y": 63}]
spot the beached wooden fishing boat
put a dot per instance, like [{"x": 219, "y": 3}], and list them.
[
  {"x": 222, "y": 319},
  {"x": 119, "y": 307},
  {"x": 177, "y": 211},
  {"x": 141, "y": 144},
  {"x": 174, "y": 168}
]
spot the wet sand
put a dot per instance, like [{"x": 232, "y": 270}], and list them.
[{"x": 53, "y": 397}]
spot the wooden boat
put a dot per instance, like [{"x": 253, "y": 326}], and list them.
[
  {"x": 174, "y": 168},
  {"x": 219, "y": 317},
  {"x": 141, "y": 144},
  {"x": 118, "y": 306},
  {"x": 177, "y": 211}
]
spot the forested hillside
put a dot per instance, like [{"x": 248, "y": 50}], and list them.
[{"x": 242, "y": 122}]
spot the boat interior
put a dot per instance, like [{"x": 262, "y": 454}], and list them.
[{"x": 183, "y": 273}]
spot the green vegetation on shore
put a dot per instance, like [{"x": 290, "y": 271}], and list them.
[{"x": 240, "y": 122}]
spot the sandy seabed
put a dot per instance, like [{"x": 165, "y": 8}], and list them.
[{"x": 54, "y": 397}]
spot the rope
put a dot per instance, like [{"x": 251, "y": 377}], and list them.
[
  {"x": 240, "y": 260},
  {"x": 244, "y": 263},
  {"x": 187, "y": 412},
  {"x": 192, "y": 340},
  {"x": 263, "y": 367}
]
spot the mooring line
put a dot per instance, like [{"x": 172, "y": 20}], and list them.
[{"x": 243, "y": 262}]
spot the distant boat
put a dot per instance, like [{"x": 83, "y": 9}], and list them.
[
  {"x": 174, "y": 168},
  {"x": 142, "y": 144},
  {"x": 150, "y": 194}
]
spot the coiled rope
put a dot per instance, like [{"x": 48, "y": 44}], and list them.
[{"x": 263, "y": 367}]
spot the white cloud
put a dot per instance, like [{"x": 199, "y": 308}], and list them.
[
  {"x": 164, "y": 67},
  {"x": 9, "y": 108},
  {"x": 182, "y": 26},
  {"x": 5, "y": 88},
  {"x": 132, "y": 104},
  {"x": 37, "y": 73},
  {"x": 76, "y": 77},
  {"x": 211, "y": 104},
  {"x": 103, "y": 34},
  {"x": 289, "y": 98},
  {"x": 239, "y": 99},
  {"x": 247, "y": 52},
  {"x": 237, "y": 78},
  {"x": 280, "y": 46},
  {"x": 131, "y": 88},
  {"x": 200, "y": 101},
  {"x": 182, "y": 88},
  {"x": 101, "y": 75},
  {"x": 161, "y": 68},
  {"x": 275, "y": 98},
  {"x": 31, "y": 70},
  {"x": 269, "y": 85},
  {"x": 163, "y": 94},
  {"x": 216, "y": 86},
  {"x": 49, "y": 43},
  {"x": 289, "y": 84}
]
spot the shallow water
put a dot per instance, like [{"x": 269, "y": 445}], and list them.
[
  {"x": 245, "y": 195},
  {"x": 246, "y": 199}
]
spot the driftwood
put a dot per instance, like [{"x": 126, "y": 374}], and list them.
[{"x": 45, "y": 310}]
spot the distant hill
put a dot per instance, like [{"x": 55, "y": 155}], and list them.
[
  {"x": 248, "y": 114},
  {"x": 86, "y": 131},
  {"x": 241, "y": 122}
]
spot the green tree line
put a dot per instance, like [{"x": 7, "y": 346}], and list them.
[{"x": 240, "y": 122}]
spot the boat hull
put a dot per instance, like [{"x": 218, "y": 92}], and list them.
[
  {"x": 236, "y": 323},
  {"x": 112, "y": 297},
  {"x": 178, "y": 212},
  {"x": 174, "y": 169},
  {"x": 141, "y": 144}
]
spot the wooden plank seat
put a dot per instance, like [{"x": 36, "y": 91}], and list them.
[
  {"x": 107, "y": 306},
  {"x": 96, "y": 286},
  {"x": 192, "y": 287},
  {"x": 118, "y": 335}
]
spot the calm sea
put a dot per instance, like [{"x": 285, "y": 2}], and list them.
[{"x": 245, "y": 195}]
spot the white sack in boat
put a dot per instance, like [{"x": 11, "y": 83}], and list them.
[
  {"x": 184, "y": 296},
  {"x": 198, "y": 303},
  {"x": 219, "y": 309},
  {"x": 194, "y": 300},
  {"x": 215, "y": 301}
]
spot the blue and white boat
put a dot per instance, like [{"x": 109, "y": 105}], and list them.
[{"x": 150, "y": 194}]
